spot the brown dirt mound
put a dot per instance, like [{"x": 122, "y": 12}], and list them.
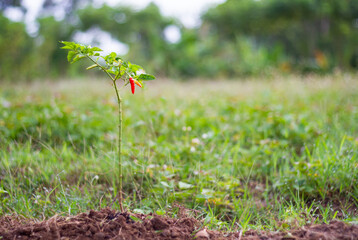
[
  {"x": 98, "y": 225},
  {"x": 109, "y": 224},
  {"x": 333, "y": 231}
]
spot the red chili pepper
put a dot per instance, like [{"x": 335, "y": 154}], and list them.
[{"x": 131, "y": 81}]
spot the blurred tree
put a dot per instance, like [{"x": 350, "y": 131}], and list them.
[
  {"x": 237, "y": 37},
  {"x": 48, "y": 53},
  {"x": 49, "y": 7},
  {"x": 142, "y": 31},
  {"x": 10, "y": 3},
  {"x": 305, "y": 28},
  {"x": 16, "y": 48}
]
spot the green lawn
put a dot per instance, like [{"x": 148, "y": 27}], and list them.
[{"x": 259, "y": 154}]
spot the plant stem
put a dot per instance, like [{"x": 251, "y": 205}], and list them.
[
  {"x": 120, "y": 122},
  {"x": 119, "y": 101}
]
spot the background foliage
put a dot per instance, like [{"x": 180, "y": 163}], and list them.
[{"x": 235, "y": 38}]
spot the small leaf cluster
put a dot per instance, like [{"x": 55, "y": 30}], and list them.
[{"x": 115, "y": 66}]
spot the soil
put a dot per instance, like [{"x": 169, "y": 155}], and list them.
[{"x": 109, "y": 224}]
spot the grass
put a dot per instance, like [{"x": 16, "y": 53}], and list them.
[{"x": 273, "y": 154}]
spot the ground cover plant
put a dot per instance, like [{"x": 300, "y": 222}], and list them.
[{"x": 237, "y": 156}]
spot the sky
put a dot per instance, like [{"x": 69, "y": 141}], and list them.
[{"x": 187, "y": 11}]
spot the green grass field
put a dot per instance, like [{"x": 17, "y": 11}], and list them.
[{"x": 259, "y": 154}]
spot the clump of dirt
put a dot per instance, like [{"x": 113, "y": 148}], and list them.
[
  {"x": 109, "y": 224},
  {"x": 98, "y": 225}
]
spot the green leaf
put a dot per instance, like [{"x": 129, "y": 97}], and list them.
[
  {"x": 111, "y": 71},
  {"x": 2, "y": 191},
  {"x": 160, "y": 212},
  {"x": 140, "y": 211},
  {"x": 96, "y": 49},
  {"x": 113, "y": 55},
  {"x": 68, "y": 44},
  {"x": 146, "y": 77},
  {"x": 67, "y": 47},
  {"x": 134, "y": 68},
  {"x": 70, "y": 55},
  {"x": 122, "y": 69},
  {"x": 78, "y": 57},
  {"x": 183, "y": 185},
  {"x": 165, "y": 184},
  {"x": 125, "y": 64}
]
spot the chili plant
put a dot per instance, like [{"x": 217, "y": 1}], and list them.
[{"x": 121, "y": 73}]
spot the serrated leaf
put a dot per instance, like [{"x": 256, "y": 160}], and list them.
[
  {"x": 134, "y": 68},
  {"x": 70, "y": 55},
  {"x": 92, "y": 66},
  {"x": 146, "y": 77},
  {"x": 183, "y": 185}
]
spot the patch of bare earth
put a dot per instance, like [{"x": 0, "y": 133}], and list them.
[{"x": 109, "y": 224}]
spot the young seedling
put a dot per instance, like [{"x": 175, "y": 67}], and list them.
[{"x": 121, "y": 73}]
